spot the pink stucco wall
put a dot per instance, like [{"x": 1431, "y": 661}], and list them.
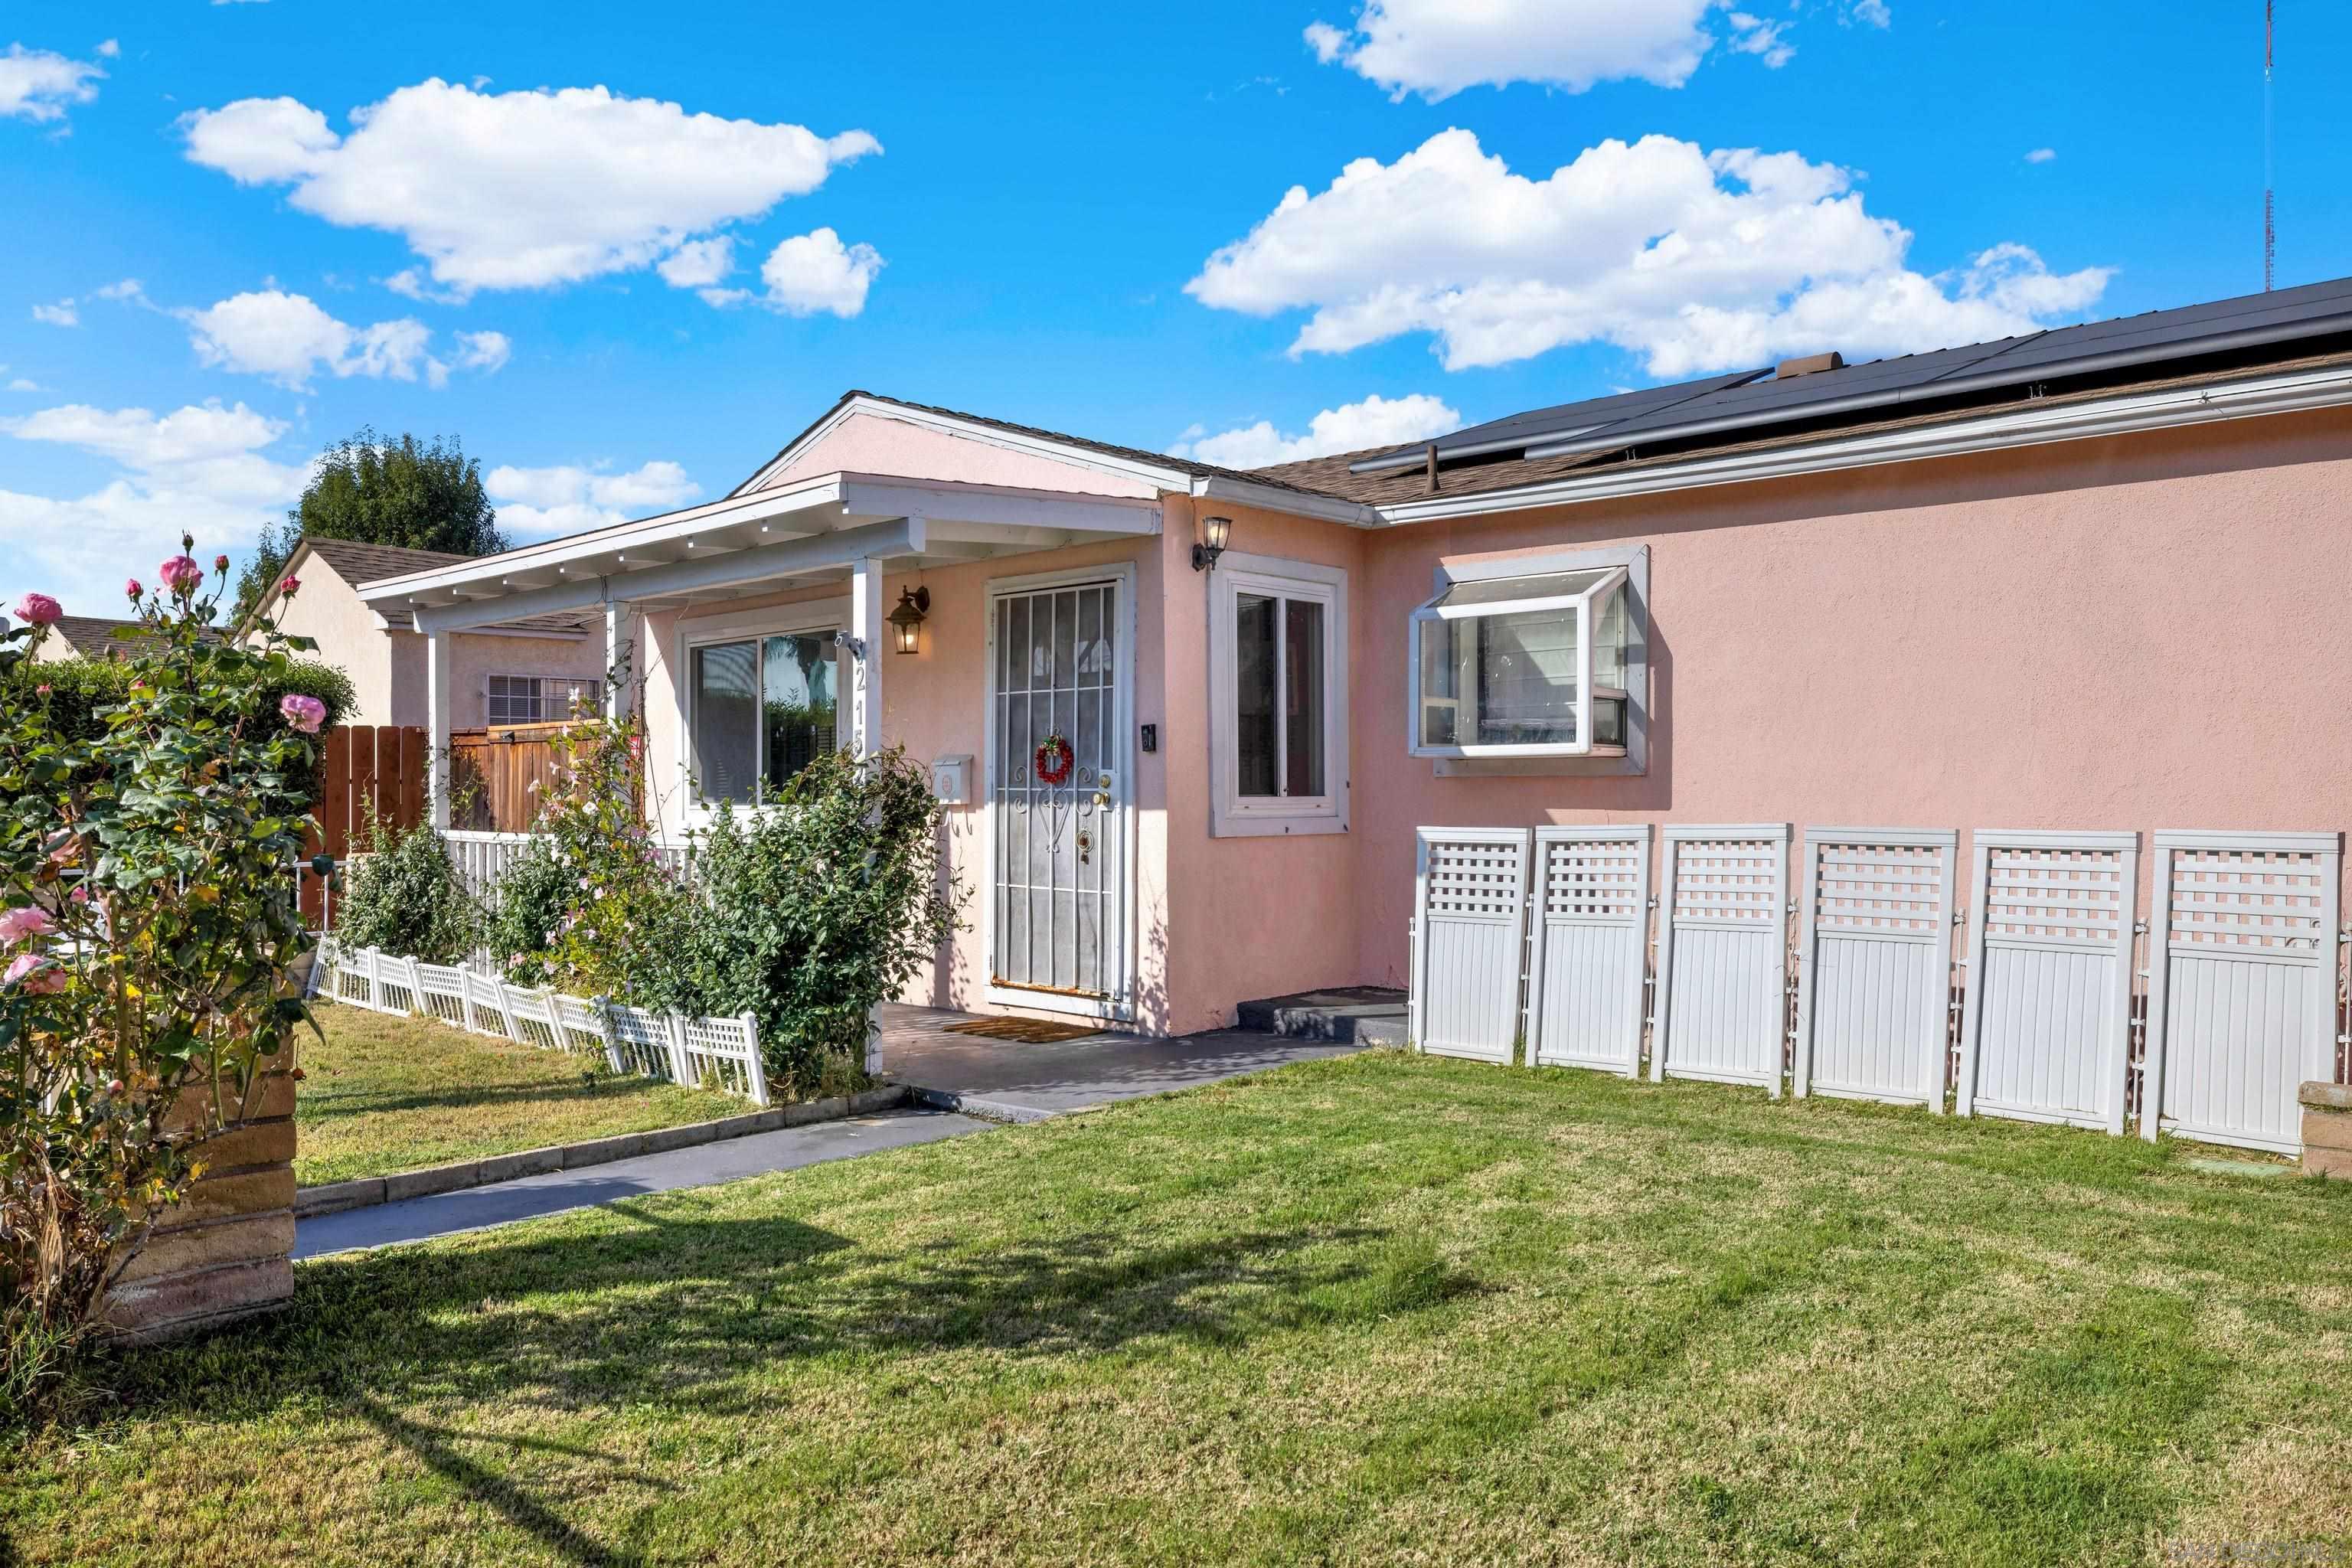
[{"x": 2138, "y": 633}]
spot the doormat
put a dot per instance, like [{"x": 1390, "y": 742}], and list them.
[{"x": 1023, "y": 1031}]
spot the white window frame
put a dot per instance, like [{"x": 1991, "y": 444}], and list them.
[
  {"x": 1625, "y": 574},
  {"x": 592, "y": 685},
  {"x": 808, "y": 618},
  {"x": 1232, "y": 813}
]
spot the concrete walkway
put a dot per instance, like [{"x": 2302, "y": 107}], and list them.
[
  {"x": 1001, "y": 1081},
  {"x": 528, "y": 1197}
]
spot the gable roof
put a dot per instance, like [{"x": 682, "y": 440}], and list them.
[{"x": 1171, "y": 469}]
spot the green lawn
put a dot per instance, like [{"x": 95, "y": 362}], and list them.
[
  {"x": 384, "y": 1094},
  {"x": 1376, "y": 1310}
]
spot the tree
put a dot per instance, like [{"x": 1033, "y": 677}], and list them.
[{"x": 382, "y": 491}]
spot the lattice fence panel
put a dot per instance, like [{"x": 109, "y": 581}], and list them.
[
  {"x": 1589, "y": 955},
  {"x": 1875, "y": 964},
  {"x": 643, "y": 1042},
  {"x": 1723, "y": 955},
  {"x": 532, "y": 1013},
  {"x": 2241, "y": 995},
  {"x": 442, "y": 988},
  {"x": 2046, "y": 1035},
  {"x": 1471, "y": 889},
  {"x": 725, "y": 1050}
]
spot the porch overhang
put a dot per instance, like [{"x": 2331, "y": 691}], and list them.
[{"x": 818, "y": 531}]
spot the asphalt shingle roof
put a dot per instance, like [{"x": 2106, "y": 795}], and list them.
[{"x": 360, "y": 565}]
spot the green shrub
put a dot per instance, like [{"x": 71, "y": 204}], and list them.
[
  {"x": 527, "y": 910},
  {"x": 807, "y": 914},
  {"x": 405, "y": 897},
  {"x": 81, "y": 687}
]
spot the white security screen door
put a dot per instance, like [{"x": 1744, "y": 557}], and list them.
[{"x": 1059, "y": 814}]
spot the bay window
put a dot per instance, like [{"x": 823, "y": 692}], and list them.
[
  {"x": 1277, "y": 660},
  {"x": 759, "y": 709},
  {"x": 1526, "y": 666}
]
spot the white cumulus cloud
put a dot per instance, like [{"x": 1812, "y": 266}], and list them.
[
  {"x": 203, "y": 469},
  {"x": 545, "y": 503},
  {"x": 1439, "y": 47},
  {"x": 814, "y": 272},
  {"x": 64, "y": 313},
  {"x": 290, "y": 338},
  {"x": 1376, "y": 421},
  {"x": 1694, "y": 260},
  {"x": 2042, "y": 155},
  {"x": 40, "y": 85},
  {"x": 557, "y": 186}
]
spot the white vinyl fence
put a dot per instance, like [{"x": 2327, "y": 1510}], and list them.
[
  {"x": 1589, "y": 965},
  {"x": 1723, "y": 955},
  {"x": 1539, "y": 935},
  {"x": 1470, "y": 889},
  {"x": 1875, "y": 964},
  {"x": 659, "y": 1045},
  {"x": 2046, "y": 1032},
  {"x": 2241, "y": 984}
]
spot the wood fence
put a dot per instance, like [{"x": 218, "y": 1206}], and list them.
[
  {"x": 493, "y": 771},
  {"x": 372, "y": 773}
]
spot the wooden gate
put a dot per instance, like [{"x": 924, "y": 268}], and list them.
[
  {"x": 370, "y": 774},
  {"x": 1875, "y": 964},
  {"x": 2046, "y": 1032},
  {"x": 1470, "y": 894},
  {"x": 2241, "y": 984},
  {"x": 499, "y": 775},
  {"x": 1591, "y": 952},
  {"x": 1723, "y": 955}
]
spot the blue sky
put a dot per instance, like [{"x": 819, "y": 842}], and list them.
[{"x": 1074, "y": 217}]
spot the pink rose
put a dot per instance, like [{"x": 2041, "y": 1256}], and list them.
[
  {"x": 290, "y": 586},
  {"x": 17, "y": 925},
  {"x": 80, "y": 894},
  {"x": 35, "y": 976},
  {"x": 132, "y": 589},
  {"x": 303, "y": 713},
  {"x": 220, "y": 563},
  {"x": 180, "y": 574},
  {"x": 38, "y": 610}
]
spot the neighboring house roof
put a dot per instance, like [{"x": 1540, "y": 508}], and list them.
[
  {"x": 360, "y": 565},
  {"x": 97, "y": 636}
]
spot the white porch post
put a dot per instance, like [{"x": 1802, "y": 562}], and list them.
[
  {"x": 618, "y": 645},
  {"x": 866, "y": 625},
  {"x": 437, "y": 720},
  {"x": 865, "y": 715}
]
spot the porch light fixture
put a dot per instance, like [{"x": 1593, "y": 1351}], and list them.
[
  {"x": 1214, "y": 532},
  {"x": 914, "y": 604}
]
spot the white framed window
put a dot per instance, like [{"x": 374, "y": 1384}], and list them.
[
  {"x": 539, "y": 698},
  {"x": 761, "y": 704},
  {"x": 1278, "y": 695},
  {"x": 1536, "y": 658}
]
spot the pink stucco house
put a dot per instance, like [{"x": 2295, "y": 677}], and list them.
[
  {"x": 515, "y": 670},
  {"x": 2091, "y": 578}
]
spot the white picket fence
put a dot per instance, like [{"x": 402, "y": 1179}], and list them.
[
  {"x": 721, "y": 1051},
  {"x": 1533, "y": 945}
]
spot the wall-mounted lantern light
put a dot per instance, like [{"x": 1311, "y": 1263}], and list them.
[
  {"x": 1214, "y": 532},
  {"x": 914, "y": 604}
]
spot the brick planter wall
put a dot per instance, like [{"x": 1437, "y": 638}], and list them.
[
  {"x": 226, "y": 1253},
  {"x": 2328, "y": 1130}
]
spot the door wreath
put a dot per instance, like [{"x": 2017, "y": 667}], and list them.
[{"x": 1054, "y": 760}]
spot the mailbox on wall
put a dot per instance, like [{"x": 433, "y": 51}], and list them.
[{"x": 951, "y": 779}]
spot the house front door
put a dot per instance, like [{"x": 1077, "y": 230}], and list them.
[{"x": 1059, "y": 794}]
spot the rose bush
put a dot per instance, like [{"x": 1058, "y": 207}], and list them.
[{"x": 150, "y": 929}]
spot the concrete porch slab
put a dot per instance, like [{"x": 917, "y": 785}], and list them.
[{"x": 1007, "y": 1081}]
